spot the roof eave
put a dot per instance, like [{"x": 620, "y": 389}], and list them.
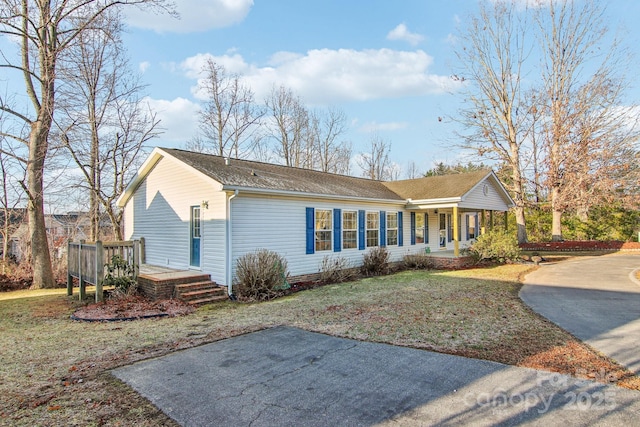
[{"x": 289, "y": 193}]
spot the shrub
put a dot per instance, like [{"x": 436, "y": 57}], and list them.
[
  {"x": 376, "y": 262},
  {"x": 120, "y": 275},
  {"x": 495, "y": 245},
  {"x": 417, "y": 262},
  {"x": 261, "y": 275},
  {"x": 335, "y": 270}
]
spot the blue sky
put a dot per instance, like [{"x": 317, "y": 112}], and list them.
[{"x": 386, "y": 64}]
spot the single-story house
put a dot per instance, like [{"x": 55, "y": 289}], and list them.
[{"x": 202, "y": 212}]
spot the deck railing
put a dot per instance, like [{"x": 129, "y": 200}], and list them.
[{"x": 86, "y": 262}]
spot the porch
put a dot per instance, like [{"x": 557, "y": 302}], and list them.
[
  {"x": 449, "y": 260},
  {"x": 192, "y": 287}
]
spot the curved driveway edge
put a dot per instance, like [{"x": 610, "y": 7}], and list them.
[
  {"x": 594, "y": 298},
  {"x": 289, "y": 377}
]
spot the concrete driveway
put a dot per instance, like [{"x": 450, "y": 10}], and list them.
[
  {"x": 597, "y": 299},
  {"x": 289, "y": 377}
]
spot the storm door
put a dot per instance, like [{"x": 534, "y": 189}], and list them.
[{"x": 195, "y": 236}]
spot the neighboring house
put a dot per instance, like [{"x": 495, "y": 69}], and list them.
[
  {"x": 60, "y": 228},
  {"x": 203, "y": 212}
]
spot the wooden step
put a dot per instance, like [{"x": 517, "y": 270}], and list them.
[{"x": 201, "y": 292}]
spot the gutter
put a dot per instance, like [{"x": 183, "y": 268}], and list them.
[
  {"x": 288, "y": 193},
  {"x": 229, "y": 247}
]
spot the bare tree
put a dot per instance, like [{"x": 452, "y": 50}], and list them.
[
  {"x": 412, "y": 171},
  {"x": 330, "y": 154},
  {"x": 493, "y": 50},
  {"x": 230, "y": 115},
  {"x": 587, "y": 133},
  {"x": 103, "y": 118},
  {"x": 289, "y": 127},
  {"x": 10, "y": 199},
  {"x": 43, "y": 30},
  {"x": 375, "y": 162}
]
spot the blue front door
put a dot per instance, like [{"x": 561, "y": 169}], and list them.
[{"x": 195, "y": 236}]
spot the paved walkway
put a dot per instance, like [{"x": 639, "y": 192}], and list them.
[
  {"x": 597, "y": 299},
  {"x": 289, "y": 377}
]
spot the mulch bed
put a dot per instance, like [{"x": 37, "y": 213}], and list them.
[
  {"x": 580, "y": 245},
  {"x": 131, "y": 308}
]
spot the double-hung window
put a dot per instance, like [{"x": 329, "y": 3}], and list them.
[
  {"x": 419, "y": 228},
  {"x": 392, "y": 228},
  {"x": 373, "y": 225},
  {"x": 324, "y": 229},
  {"x": 349, "y": 229}
]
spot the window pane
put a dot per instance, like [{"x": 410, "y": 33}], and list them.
[
  {"x": 392, "y": 220},
  {"x": 372, "y": 238},
  {"x": 392, "y": 237},
  {"x": 349, "y": 239},
  {"x": 372, "y": 221},
  {"x": 349, "y": 220}
]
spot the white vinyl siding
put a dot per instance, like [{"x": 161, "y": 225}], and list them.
[
  {"x": 282, "y": 228},
  {"x": 477, "y": 200},
  {"x": 160, "y": 212}
]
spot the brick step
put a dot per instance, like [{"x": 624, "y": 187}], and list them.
[
  {"x": 202, "y": 292},
  {"x": 209, "y": 300},
  {"x": 187, "y": 287},
  {"x": 214, "y": 292}
]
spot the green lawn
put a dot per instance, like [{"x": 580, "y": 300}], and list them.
[{"x": 54, "y": 369}]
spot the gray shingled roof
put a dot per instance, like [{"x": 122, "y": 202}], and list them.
[
  {"x": 266, "y": 176},
  {"x": 438, "y": 187}
]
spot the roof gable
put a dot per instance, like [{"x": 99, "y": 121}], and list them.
[
  {"x": 438, "y": 187},
  {"x": 265, "y": 176}
]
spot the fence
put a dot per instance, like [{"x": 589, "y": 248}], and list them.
[{"x": 86, "y": 262}]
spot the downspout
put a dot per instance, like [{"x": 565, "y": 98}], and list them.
[{"x": 228, "y": 248}]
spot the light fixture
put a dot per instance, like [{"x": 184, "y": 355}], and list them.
[{"x": 205, "y": 204}]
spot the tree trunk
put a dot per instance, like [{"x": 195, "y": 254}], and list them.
[
  {"x": 40, "y": 255},
  {"x": 521, "y": 224},
  {"x": 556, "y": 222}
]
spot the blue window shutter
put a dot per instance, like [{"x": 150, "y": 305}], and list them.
[
  {"x": 413, "y": 228},
  {"x": 383, "y": 228},
  {"x": 361, "y": 225},
  {"x": 337, "y": 230},
  {"x": 449, "y": 228},
  {"x": 400, "y": 230},
  {"x": 311, "y": 246}
]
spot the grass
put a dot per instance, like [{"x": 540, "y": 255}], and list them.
[{"x": 55, "y": 369}]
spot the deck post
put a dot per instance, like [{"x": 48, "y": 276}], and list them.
[
  {"x": 491, "y": 223},
  {"x": 456, "y": 240},
  {"x": 99, "y": 270},
  {"x": 136, "y": 258},
  {"x": 142, "y": 251},
  {"x": 82, "y": 291},
  {"x": 69, "y": 276}
]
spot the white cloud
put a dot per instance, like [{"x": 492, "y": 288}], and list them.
[
  {"x": 195, "y": 16},
  {"x": 178, "y": 119},
  {"x": 144, "y": 66},
  {"x": 326, "y": 76},
  {"x": 375, "y": 126},
  {"x": 402, "y": 33}
]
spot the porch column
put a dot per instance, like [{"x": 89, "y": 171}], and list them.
[
  {"x": 491, "y": 223},
  {"x": 456, "y": 242},
  {"x": 483, "y": 222}
]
